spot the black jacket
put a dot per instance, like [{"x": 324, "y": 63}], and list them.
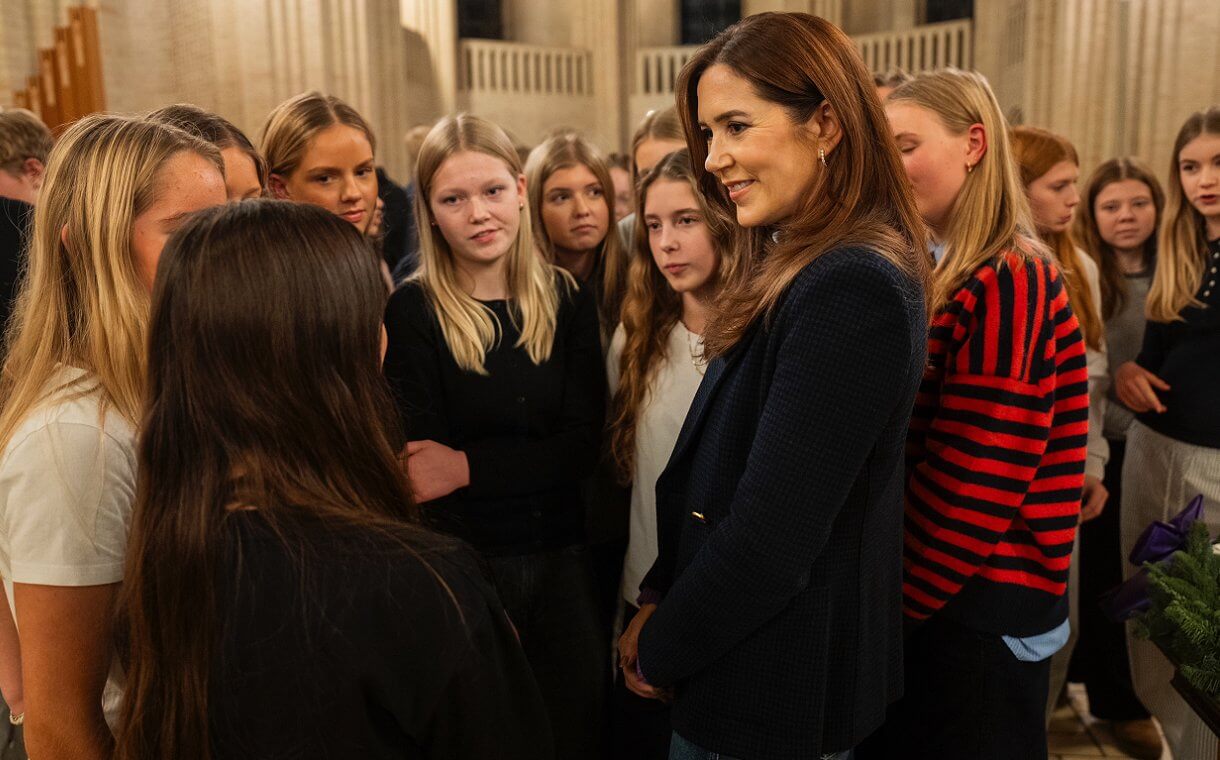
[{"x": 779, "y": 520}]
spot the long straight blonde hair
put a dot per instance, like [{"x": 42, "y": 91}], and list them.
[
  {"x": 470, "y": 328},
  {"x": 1182, "y": 244},
  {"x": 991, "y": 213},
  {"x": 562, "y": 151},
  {"x": 82, "y": 303}
]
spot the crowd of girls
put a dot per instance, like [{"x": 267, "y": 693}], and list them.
[{"x": 768, "y": 439}]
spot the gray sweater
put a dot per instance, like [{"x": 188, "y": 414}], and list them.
[{"x": 1124, "y": 336}]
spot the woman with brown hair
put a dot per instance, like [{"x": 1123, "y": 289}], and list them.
[
  {"x": 772, "y": 609},
  {"x": 571, "y": 200},
  {"x": 245, "y": 169},
  {"x": 282, "y": 599},
  {"x": 683, "y": 256},
  {"x": 1116, "y": 226}
]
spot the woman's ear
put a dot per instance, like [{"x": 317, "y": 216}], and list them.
[
  {"x": 276, "y": 187},
  {"x": 976, "y": 144},
  {"x": 826, "y": 126},
  {"x": 521, "y": 190}
]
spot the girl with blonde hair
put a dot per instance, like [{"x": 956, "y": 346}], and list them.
[
  {"x": 495, "y": 359},
  {"x": 319, "y": 150},
  {"x": 683, "y": 255},
  {"x": 996, "y": 448},
  {"x": 571, "y": 199},
  {"x": 71, "y": 397},
  {"x": 1173, "y": 447}
]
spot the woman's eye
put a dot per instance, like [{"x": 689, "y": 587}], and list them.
[
  {"x": 322, "y": 179},
  {"x": 688, "y": 220},
  {"x": 707, "y": 135},
  {"x": 595, "y": 192},
  {"x": 736, "y": 128},
  {"x": 653, "y": 226}
]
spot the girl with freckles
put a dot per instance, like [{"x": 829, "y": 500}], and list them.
[{"x": 496, "y": 363}]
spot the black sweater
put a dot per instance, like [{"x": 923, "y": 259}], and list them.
[
  {"x": 15, "y": 216},
  {"x": 348, "y": 645},
  {"x": 530, "y": 432},
  {"x": 1186, "y": 355}
]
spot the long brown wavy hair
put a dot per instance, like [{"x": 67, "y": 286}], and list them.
[
  {"x": 651, "y": 308},
  {"x": 1113, "y": 284},
  {"x": 265, "y": 392},
  {"x": 862, "y": 196},
  {"x": 1036, "y": 151}
]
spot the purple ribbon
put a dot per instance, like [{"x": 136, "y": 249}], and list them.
[{"x": 1156, "y": 544}]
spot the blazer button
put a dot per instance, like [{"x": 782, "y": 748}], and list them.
[{"x": 698, "y": 516}]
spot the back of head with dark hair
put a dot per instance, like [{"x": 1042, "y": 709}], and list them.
[{"x": 265, "y": 392}]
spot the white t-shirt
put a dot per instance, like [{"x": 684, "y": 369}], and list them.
[
  {"x": 67, "y": 486},
  {"x": 675, "y": 380}
]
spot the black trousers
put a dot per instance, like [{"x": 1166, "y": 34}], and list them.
[
  {"x": 640, "y": 728},
  {"x": 966, "y": 698},
  {"x": 551, "y": 600},
  {"x": 1100, "y": 659}
]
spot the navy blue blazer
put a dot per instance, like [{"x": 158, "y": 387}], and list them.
[{"x": 779, "y": 520}]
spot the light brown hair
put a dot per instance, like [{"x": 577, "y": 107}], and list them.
[
  {"x": 651, "y": 308},
  {"x": 1182, "y": 244},
  {"x": 22, "y": 136},
  {"x": 214, "y": 128},
  {"x": 1113, "y": 284},
  {"x": 294, "y": 123},
  {"x": 661, "y": 124},
  {"x": 561, "y": 151},
  {"x": 861, "y": 197}
]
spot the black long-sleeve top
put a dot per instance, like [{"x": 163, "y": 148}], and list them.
[
  {"x": 339, "y": 642},
  {"x": 1186, "y": 355},
  {"x": 530, "y": 432}
]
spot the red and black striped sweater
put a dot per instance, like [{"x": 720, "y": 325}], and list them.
[{"x": 996, "y": 454}]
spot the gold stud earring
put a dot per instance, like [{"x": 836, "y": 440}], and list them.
[{"x": 822, "y": 156}]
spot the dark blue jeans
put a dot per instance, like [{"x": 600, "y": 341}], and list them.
[
  {"x": 550, "y": 598},
  {"x": 681, "y": 749}
]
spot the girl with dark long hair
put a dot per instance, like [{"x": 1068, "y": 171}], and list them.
[{"x": 281, "y": 598}]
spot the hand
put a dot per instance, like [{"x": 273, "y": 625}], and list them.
[
  {"x": 377, "y": 220},
  {"x": 629, "y": 642},
  {"x": 1137, "y": 388},
  {"x": 435, "y": 470},
  {"x": 1092, "y": 498},
  {"x": 628, "y": 655}
]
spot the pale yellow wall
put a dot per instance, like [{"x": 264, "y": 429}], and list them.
[{"x": 1117, "y": 78}]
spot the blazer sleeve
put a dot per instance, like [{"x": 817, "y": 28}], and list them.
[
  {"x": 508, "y": 468},
  {"x": 817, "y": 428}
]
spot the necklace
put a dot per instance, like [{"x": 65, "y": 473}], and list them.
[{"x": 694, "y": 344}]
